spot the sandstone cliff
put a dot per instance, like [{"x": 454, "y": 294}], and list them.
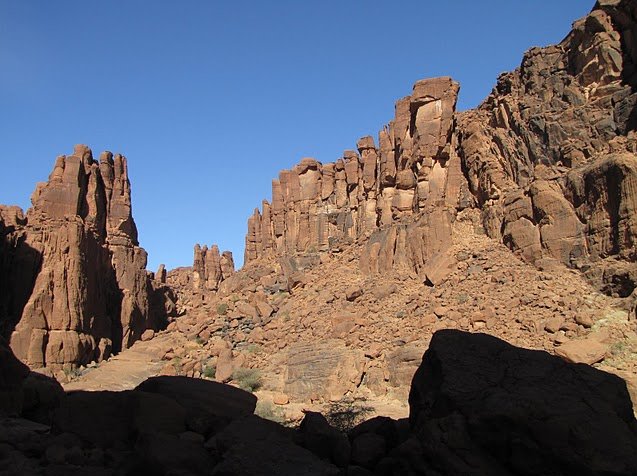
[
  {"x": 548, "y": 158},
  {"x": 401, "y": 195},
  {"x": 74, "y": 284}
]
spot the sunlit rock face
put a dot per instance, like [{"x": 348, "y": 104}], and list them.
[
  {"x": 391, "y": 192},
  {"x": 75, "y": 286},
  {"x": 548, "y": 158}
]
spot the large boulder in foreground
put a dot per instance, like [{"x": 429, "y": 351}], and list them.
[
  {"x": 479, "y": 405},
  {"x": 202, "y": 396}
]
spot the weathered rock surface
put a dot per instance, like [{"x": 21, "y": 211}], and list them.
[
  {"x": 550, "y": 154},
  {"x": 322, "y": 369},
  {"x": 74, "y": 284}
]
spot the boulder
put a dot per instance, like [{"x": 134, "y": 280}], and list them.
[
  {"x": 202, "y": 396},
  {"x": 519, "y": 411}
]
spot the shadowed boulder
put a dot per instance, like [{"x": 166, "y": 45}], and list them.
[
  {"x": 202, "y": 396},
  {"x": 479, "y": 405}
]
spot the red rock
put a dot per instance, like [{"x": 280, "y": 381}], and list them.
[
  {"x": 353, "y": 292},
  {"x": 89, "y": 290},
  {"x": 583, "y": 351}
]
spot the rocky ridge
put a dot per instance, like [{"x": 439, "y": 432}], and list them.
[
  {"x": 355, "y": 263},
  {"x": 361, "y": 336},
  {"x": 548, "y": 159}
]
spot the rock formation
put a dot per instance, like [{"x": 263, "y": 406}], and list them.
[
  {"x": 400, "y": 195},
  {"x": 210, "y": 268},
  {"x": 515, "y": 411},
  {"x": 74, "y": 281},
  {"x": 548, "y": 158},
  {"x": 550, "y": 154}
]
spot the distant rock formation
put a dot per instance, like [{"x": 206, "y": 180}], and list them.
[
  {"x": 413, "y": 173},
  {"x": 549, "y": 158},
  {"x": 210, "y": 268},
  {"x": 74, "y": 281}
]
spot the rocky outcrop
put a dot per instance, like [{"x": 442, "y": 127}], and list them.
[
  {"x": 550, "y": 154},
  {"x": 324, "y": 369},
  {"x": 548, "y": 158},
  {"x": 210, "y": 268},
  {"x": 75, "y": 286},
  {"x": 397, "y": 192}
]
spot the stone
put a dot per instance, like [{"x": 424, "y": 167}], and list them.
[
  {"x": 280, "y": 399},
  {"x": 583, "y": 351},
  {"x": 353, "y": 292},
  {"x": 12, "y": 375},
  {"x": 553, "y": 325},
  {"x": 202, "y": 396},
  {"x": 368, "y": 449},
  {"x": 323, "y": 440},
  {"x": 483, "y": 380},
  {"x": 324, "y": 368},
  {"x": 584, "y": 319},
  {"x": 158, "y": 452},
  {"x": 147, "y": 335}
]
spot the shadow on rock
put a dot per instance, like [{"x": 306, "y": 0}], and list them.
[{"x": 477, "y": 406}]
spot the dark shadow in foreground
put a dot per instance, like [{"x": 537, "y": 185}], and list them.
[{"x": 479, "y": 406}]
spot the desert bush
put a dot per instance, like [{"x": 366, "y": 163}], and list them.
[
  {"x": 248, "y": 379},
  {"x": 269, "y": 411},
  {"x": 222, "y": 309},
  {"x": 209, "y": 371},
  {"x": 253, "y": 348},
  {"x": 346, "y": 414}
]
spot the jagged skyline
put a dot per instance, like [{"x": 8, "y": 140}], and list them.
[{"x": 209, "y": 112}]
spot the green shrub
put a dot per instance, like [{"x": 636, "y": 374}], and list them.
[
  {"x": 209, "y": 371},
  {"x": 253, "y": 348},
  {"x": 462, "y": 298},
  {"x": 72, "y": 372},
  {"x": 248, "y": 379},
  {"x": 222, "y": 309},
  {"x": 267, "y": 410},
  {"x": 176, "y": 363}
]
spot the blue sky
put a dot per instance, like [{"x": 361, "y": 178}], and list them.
[{"x": 209, "y": 100}]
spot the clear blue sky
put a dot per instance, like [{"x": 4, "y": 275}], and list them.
[{"x": 209, "y": 99}]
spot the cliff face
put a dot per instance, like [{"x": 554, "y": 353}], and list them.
[
  {"x": 550, "y": 155},
  {"x": 74, "y": 283},
  {"x": 401, "y": 195},
  {"x": 548, "y": 158}
]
